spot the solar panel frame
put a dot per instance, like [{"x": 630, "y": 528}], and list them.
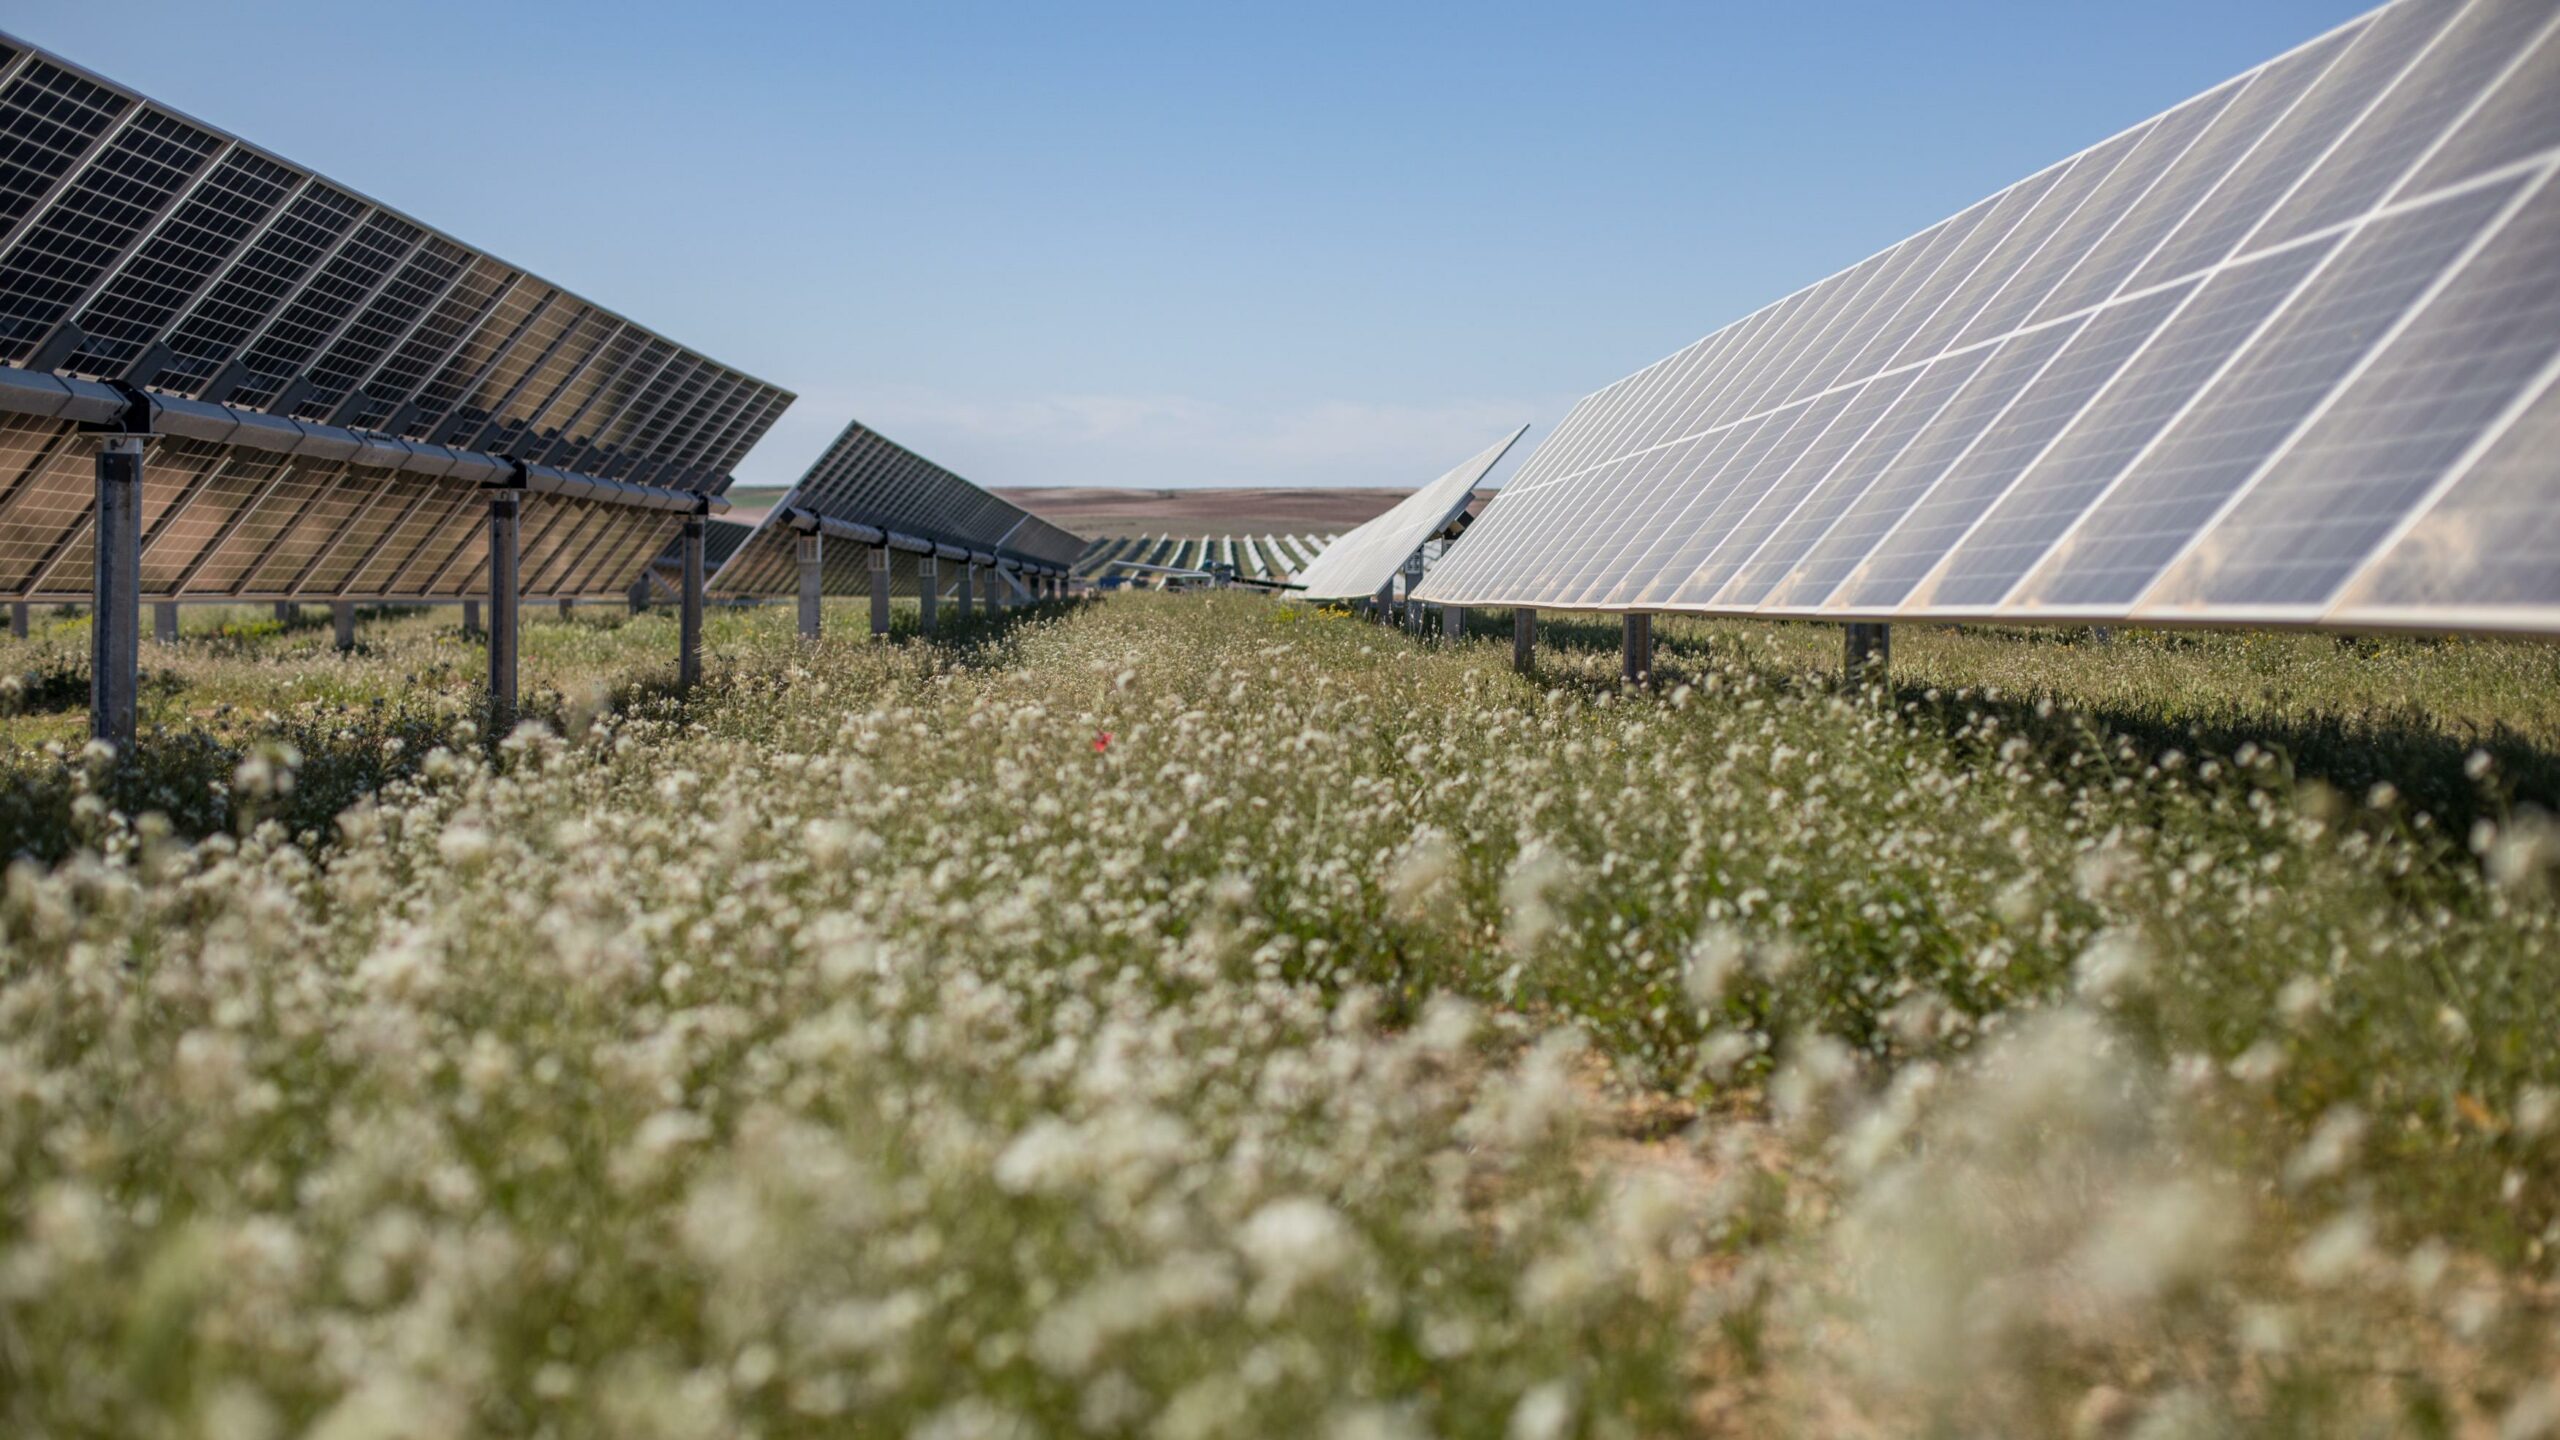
[
  {"x": 1374, "y": 552},
  {"x": 141, "y": 246},
  {"x": 2101, "y": 305},
  {"x": 865, "y": 479}
]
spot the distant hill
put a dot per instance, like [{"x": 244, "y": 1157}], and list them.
[{"x": 1240, "y": 510}]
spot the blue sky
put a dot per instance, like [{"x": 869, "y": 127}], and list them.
[{"x": 1109, "y": 244}]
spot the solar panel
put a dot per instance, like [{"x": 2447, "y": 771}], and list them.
[
  {"x": 337, "y": 380},
  {"x": 868, "y": 490},
  {"x": 1371, "y": 554},
  {"x": 1118, "y": 558},
  {"x": 2285, "y": 354}
]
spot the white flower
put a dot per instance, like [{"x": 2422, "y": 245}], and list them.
[
  {"x": 1715, "y": 958},
  {"x": 1545, "y": 1412},
  {"x": 1420, "y": 877},
  {"x": 1048, "y": 1155},
  {"x": 1294, "y": 1243},
  {"x": 2336, "y": 1251},
  {"x": 2114, "y": 964},
  {"x": 1529, "y": 891},
  {"x": 2331, "y": 1148}
]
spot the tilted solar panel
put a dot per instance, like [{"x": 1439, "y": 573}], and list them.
[
  {"x": 868, "y": 488},
  {"x": 2286, "y": 354},
  {"x": 1369, "y": 555},
  {"x": 335, "y": 375}
]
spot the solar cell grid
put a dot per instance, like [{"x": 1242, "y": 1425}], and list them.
[
  {"x": 2192, "y": 470},
  {"x": 59, "y": 259},
  {"x": 2206, "y": 332},
  {"x": 2377, "y": 444},
  {"x": 1779, "y": 499},
  {"x": 2492, "y": 541},
  {"x": 1373, "y": 552},
  {"x": 50, "y": 118},
  {"x": 2274, "y": 331},
  {"x": 864, "y": 478},
  {"x": 145, "y": 296},
  {"x": 156, "y": 230}
]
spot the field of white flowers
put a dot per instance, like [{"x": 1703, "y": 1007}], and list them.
[{"x": 1192, "y": 1016}]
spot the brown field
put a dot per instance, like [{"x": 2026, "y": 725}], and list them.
[{"x": 1093, "y": 510}]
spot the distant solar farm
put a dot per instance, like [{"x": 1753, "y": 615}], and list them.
[{"x": 1115, "y": 561}]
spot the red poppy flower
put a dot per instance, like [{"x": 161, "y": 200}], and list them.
[{"x": 1101, "y": 742}]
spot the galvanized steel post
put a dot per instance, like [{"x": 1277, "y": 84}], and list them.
[
  {"x": 968, "y": 587},
  {"x": 1524, "y": 637},
  {"x": 1453, "y": 622},
  {"x": 471, "y": 626},
  {"x": 879, "y": 589},
  {"x": 506, "y": 528},
  {"x": 342, "y": 613},
  {"x": 18, "y": 618},
  {"x": 1635, "y": 660},
  {"x": 929, "y": 584},
  {"x": 164, "y": 622},
  {"x": 689, "y": 627},
  {"x": 811, "y": 551},
  {"x": 115, "y": 631},
  {"x": 1867, "y": 652}
]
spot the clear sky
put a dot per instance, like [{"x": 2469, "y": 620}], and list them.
[{"x": 1298, "y": 243}]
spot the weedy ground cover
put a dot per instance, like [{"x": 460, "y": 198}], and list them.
[{"x": 1191, "y": 1016}]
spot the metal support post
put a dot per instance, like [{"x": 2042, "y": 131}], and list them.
[
  {"x": 287, "y": 612},
  {"x": 811, "y": 550},
  {"x": 1412, "y": 582},
  {"x": 471, "y": 626},
  {"x": 164, "y": 622},
  {"x": 565, "y": 603},
  {"x": 879, "y": 589},
  {"x": 640, "y": 594},
  {"x": 1453, "y": 622},
  {"x": 1383, "y": 604},
  {"x": 928, "y": 584},
  {"x": 689, "y": 626},
  {"x": 1636, "y": 655},
  {"x": 968, "y": 587},
  {"x": 18, "y": 618},
  {"x": 1524, "y": 638},
  {"x": 506, "y": 529},
  {"x": 115, "y": 631},
  {"x": 1867, "y": 654},
  {"x": 343, "y": 613}
]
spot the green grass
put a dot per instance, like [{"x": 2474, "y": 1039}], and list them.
[{"x": 1190, "y": 1015}]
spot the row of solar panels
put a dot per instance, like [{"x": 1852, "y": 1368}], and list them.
[
  {"x": 338, "y": 383},
  {"x": 867, "y": 490},
  {"x": 1253, "y": 557},
  {"x": 2286, "y": 354}
]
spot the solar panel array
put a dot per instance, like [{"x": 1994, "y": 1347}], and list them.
[
  {"x": 1371, "y": 554},
  {"x": 867, "y": 480},
  {"x": 722, "y": 535},
  {"x": 1255, "y": 557},
  {"x": 333, "y": 376},
  {"x": 2286, "y": 354}
]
